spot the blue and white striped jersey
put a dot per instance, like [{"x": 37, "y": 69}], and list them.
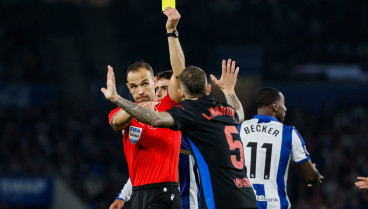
[
  {"x": 268, "y": 148},
  {"x": 188, "y": 178}
]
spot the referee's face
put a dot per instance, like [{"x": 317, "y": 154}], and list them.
[
  {"x": 281, "y": 108},
  {"x": 141, "y": 85}
]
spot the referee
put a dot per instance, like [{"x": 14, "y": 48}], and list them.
[
  {"x": 210, "y": 128},
  {"x": 152, "y": 153}
]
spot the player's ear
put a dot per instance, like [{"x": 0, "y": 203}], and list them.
[
  {"x": 208, "y": 88},
  {"x": 155, "y": 81},
  {"x": 275, "y": 106},
  {"x": 127, "y": 85}
]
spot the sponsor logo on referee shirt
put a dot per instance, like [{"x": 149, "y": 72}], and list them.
[{"x": 134, "y": 134}]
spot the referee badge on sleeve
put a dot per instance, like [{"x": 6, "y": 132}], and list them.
[{"x": 134, "y": 134}]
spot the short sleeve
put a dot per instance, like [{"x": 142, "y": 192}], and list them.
[
  {"x": 111, "y": 114},
  {"x": 184, "y": 115},
  {"x": 126, "y": 192},
  {"x": 299, "y": 150}
]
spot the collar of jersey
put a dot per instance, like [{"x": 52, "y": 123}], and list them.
[{"x": 265, "y": 118}]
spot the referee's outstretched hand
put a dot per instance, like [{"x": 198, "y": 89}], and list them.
[
  {"x": 363, "y": 183},
  {"x": 173, "y": 18},
  {"x": 117, "y": 204},
  {"x": 228, "y": 78},
  {"x": 110, "y": 90}
]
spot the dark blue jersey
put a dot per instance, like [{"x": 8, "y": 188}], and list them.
[
  {"x": 188, "y": 179},
  {"x": 210, "y": 128}
]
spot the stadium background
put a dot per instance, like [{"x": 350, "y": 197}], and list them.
[{"x": 56, "y": 147}]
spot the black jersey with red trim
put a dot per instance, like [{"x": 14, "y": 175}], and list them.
[{"x": 210, "y": 128}]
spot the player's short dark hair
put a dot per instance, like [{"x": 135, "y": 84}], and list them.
[
  {"x": 194, "y": 80},
  {"x": 136, "y": 66},
  {"x": 165, "y": 75},
  {"x": 267, "y": 96}
]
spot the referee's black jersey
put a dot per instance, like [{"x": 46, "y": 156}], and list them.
[{"x": 210, "y": 128}]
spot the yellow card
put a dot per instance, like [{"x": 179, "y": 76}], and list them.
[{"x": 168, "y": 3}]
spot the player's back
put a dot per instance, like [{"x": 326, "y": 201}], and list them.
[
  {"x": 211, "y": 130},
  {"x": 268, "y": 147}
]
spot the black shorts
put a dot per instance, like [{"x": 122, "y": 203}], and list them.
[{"x": 164, "y": 195}]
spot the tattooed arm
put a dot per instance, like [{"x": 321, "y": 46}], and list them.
[
  {"x": 233, "y": 100},
  {"x": 227, "y": 84},
  {"x": 150, "y": 117},
  {"x": 155, "y": 119}
]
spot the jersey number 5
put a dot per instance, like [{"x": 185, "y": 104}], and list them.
[{"x": 235, "y": 144}]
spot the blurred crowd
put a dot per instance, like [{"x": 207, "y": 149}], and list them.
[
  {"x": 336, "y": 138},
  {"x": 57, "y": 140},
  {"x": 288, "y": 32},
  {"x": 79, "y": 145}
]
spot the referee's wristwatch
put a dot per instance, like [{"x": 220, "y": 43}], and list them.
[{"x": 174, "y": 34}]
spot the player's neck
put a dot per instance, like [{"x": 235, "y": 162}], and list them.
[
  {"x": 266, "y": 111},
  {"x": 191, "y": 98}
]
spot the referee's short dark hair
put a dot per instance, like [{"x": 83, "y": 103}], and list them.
[
  {"x": 137, "y": 65},
  {"x": 165, "y": 75},
  {"x": 267, "y": 96},
  {"x": 194, "y": 80}
]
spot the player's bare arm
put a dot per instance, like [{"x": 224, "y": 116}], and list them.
[
  {"x": 311, "y": 173},
  {"x": 227, "y": 84},
  {"x": 117, "y": 204},
  {"x": 120, "y": 120},
  {"x": 363, "y": 183},
  {"x": 177, "y": 58},
  {"x": 156, "y": 119}
]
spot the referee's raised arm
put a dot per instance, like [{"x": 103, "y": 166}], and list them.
[{"x": 177, "y": 58}]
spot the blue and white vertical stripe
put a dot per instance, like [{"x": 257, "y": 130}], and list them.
[
  {"x": 188, "y": 177},
  {"x": 273, "y": 145},
  {"x": 188, "y": 174},
  {"x": 204, "y": 178}
]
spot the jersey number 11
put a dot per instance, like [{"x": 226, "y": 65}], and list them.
[{"x": 253, "y": 159}]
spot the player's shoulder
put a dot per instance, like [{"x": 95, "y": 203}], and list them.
[
  {"x": 184, "y": 108},
  {"x": 296, "y": 132},
  {"x": 256, "y": 120},
  {"x": 248, "y": 121},
  {"x": 290, "y": 127},
  {"x": 188, "y": 103},
  {"x": 293, "y": 131}
]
